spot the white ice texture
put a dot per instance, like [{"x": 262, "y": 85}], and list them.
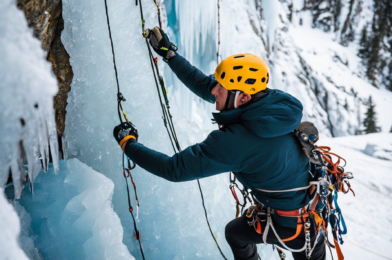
[
  {"x": 70, "y": 215},
  {"x": 27, "y": 88},
  {"x": 10, "y": 228}
]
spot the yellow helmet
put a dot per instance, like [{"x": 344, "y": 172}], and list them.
[{"x": 244, "y": 72}]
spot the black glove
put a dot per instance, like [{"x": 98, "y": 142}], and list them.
[
  {"x": 161, "y": 44},
  {"x": 124, "y": 132}
]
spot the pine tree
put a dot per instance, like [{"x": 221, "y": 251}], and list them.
[
  {"x": 363, "y": 51},
  {"x": 370, "y": 120},
  {"x": 381, "y": 31},
  {"x": 374, "y": 55}
]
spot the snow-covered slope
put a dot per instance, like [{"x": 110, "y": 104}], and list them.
[{"x": 368, "y": 215}]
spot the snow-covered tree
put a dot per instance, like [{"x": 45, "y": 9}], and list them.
[
  {"x": 363, "y": 51},
  {"x": 370, "y": 120},
  {"x": 380, "y": 55}
]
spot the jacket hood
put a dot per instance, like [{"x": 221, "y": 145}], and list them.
[{"x": 276, "y": 114}]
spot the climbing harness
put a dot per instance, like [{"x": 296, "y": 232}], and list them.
[
  {"x": 126, "y": 171},
  {"x": 167, "y": 117},
  {"x": 328, "y": 178}
]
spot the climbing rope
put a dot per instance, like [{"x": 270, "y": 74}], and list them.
[
  {"x": 167, "y": 117},
  {"x": 126, "y": 171},
  {"x": 218, "y": 47}
]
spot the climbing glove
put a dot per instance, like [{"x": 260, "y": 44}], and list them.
[
  {"x": 161, "y": 44},
  {"x": 124, "y": 132}
]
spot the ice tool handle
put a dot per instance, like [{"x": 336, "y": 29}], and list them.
[{"x": 147, "y": 34}]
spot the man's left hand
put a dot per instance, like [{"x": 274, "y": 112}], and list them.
[{"x": 125, "y": 132}]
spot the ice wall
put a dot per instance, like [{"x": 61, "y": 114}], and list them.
[
  {"x": 10, "y": 228},
  {"x": 26, "y": 232},
  {"x": 171, "y": 216},
  {"x": 192, "y": 25},
  {"x": 71, "y": 216},
  {"x": 27, "y": 88}
]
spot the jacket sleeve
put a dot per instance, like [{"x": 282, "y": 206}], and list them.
[
  {"x": 198, "y": 161},
  {"x": 193, "y": 78}
]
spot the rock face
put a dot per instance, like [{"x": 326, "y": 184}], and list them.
[{"x": 45, "y": 17}]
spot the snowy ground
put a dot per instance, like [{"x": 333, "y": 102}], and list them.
[{"x": 368, "y": 215}]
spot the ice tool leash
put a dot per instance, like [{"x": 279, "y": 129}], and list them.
[
  {"x": 328, "y": 178},
  {"x": 167, "y": 117},
  {"x": 126, "y": 170}
]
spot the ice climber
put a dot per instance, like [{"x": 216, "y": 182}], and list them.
[{"x": 254, "y": 141}]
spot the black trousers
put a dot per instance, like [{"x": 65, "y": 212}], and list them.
[{"x": 243, "y": 238}]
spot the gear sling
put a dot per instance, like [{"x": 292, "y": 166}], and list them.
[{"x": 328, "y": 178}]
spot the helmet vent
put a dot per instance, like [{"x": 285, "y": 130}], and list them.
[
  {"x": 232, "y": 80},
  {"x": 263, "y": 80},
  {"x": 250, "y": 81},
  {"x": 236, "y": 57},
  {"x": 239, "y": 78},
  {"x": 267, "y": 80},
  {"x": 223, "y": 75},
  {"x": 237, "y": 67},
  {"x": 253, "y": 69}
]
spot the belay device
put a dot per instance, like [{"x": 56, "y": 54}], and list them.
[{"x": 328, "y": 178}]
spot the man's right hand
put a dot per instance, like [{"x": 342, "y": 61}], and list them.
[{"x": 161, "y": 44}]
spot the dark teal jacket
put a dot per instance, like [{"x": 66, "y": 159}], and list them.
[{"x": 256, "y": 143}]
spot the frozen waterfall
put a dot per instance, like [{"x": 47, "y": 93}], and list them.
[{"x": 27, "y": 127}]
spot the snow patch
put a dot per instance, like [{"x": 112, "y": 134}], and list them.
[{"x": 10, "y": 228}]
